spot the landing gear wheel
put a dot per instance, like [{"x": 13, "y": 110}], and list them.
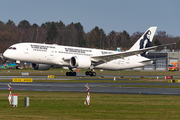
[
  {"x": 87, "y": 73},
  {"x": 90, "y": 73},
  {"x": 67, "y": 74},
  {"x": 93, "y": 73},
  {"x": 70, "y": 73},
  {"x": 74, "y": 74}
]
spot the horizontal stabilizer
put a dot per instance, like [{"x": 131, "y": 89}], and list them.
[{"x": 154, "y": 59}]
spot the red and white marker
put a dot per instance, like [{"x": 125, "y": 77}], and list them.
[
  {"x": 88, "y": 99},
  {"x": 9, "y": 96},
  {"x": 87, "y": 96},
  {"x": 9, "y": 99}
]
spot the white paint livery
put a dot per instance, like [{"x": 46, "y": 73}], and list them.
[{"x": 43, "y": 56}]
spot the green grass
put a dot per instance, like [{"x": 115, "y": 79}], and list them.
[
  {"x": 94, "y": 81},
  {"x": 69, "y": 105},
  {"x": 62, "y": 72}
]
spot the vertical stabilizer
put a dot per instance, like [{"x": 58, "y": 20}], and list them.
[{"x": 145, "y": 40}]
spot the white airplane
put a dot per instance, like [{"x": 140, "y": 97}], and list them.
[{"x": 44, "y": 56}]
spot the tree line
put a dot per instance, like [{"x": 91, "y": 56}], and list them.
[{"x": 74, "y": 35}]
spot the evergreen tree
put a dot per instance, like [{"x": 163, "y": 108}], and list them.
[
  {"x": 60, "y": 25},
  {"x": 125, "y": 40},
  {"x": 10, "y": 22},
  {"x": 1, "y": 23},
  {"x": 156, "y": 42},
  {"x": 24, "y": 24},
  {"x": 79, "y": 27},
  {"x": 80, "y": 34},
  {"x": 52, "y": 33},
  {"x": 103, "y": 39},
  {"x": 81, "y": 39},
  {"x": 35, "y": 25},
  {"x": 43, "y": 25}
]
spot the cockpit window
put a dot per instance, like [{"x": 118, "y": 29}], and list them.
[{"x": 13, "y": 48}]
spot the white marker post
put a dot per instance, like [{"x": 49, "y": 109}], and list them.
[
  {"x": 87, "y": 96},
  {"x": 114, "y": 78},
  {"x": 9, "y": 96}
]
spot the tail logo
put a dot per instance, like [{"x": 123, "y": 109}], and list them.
[{"x": 145, "y": 42}]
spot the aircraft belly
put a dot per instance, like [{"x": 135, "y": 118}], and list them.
[
  {"x": 113, "y": 65},
  {"x": 122, "y": 64}
]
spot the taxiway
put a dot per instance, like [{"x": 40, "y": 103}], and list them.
[{"x": 114, "y": 88}]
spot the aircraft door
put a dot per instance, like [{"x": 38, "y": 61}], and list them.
[
  {"x": 121, "y": 62},
  {"x": 25, "y": 49},
  {"x": 51, "y": 55}
]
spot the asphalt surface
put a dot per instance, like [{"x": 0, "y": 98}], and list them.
[
  {"x": 95, "y": 88},
  {"x": 79, "y": 77}
]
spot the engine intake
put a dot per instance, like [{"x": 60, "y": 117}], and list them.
[{"x": 80, "y": 62}]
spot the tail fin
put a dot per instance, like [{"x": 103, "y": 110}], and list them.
[{"x": 145, "y": 40}]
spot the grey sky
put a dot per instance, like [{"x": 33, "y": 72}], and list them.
[{"x": 117, "y": 15}]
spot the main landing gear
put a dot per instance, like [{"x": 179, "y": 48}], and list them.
[
  {"x": 71, "y": 73},
  {"x": 90, "y": 73}
]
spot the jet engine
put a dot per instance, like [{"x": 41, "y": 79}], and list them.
[
  {"x": 80, "y": 62},
  {"x": 36, "y": 66}
]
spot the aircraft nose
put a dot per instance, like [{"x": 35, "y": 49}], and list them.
[
  {"x": 5, "y": 55},
  {"x": 10, "y": 55}
]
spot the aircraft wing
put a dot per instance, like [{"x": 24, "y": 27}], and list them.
[
  {"x": 109, "y": 57},
  {"x": 106, "y": 58}
]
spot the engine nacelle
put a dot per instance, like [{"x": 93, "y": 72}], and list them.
[
  {"x": 36, "y": 66},
  {"x": 80, "y": 62}
]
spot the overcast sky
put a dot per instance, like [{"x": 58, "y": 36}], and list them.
[{"x": 117, "y": 15}]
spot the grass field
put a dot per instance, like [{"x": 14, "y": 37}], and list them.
[
  {"x": 62, "y": 72},
  {"x": 69, "y": 105}
]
